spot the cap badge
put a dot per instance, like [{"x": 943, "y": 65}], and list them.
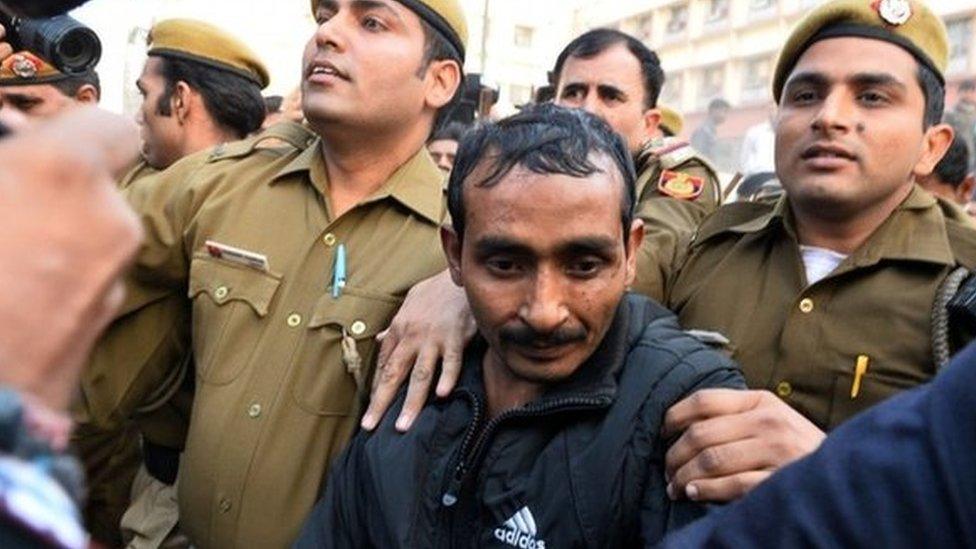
[
  {"x": 23, "y": 66},
  {"x": 894, "y": 12}
]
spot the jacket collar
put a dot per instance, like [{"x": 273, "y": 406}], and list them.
[
  {"x": 915, "y": 231},
  {"x": 417, "y": 184},
  {"x": 596, "y": 378}
]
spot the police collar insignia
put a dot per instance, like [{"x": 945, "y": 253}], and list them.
[{"x": 894, "y": 12}]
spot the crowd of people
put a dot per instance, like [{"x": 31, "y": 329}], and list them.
[{"x": 369, "y": 324}]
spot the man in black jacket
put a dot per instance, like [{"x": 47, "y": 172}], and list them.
[{"x": 552, "y": 437}]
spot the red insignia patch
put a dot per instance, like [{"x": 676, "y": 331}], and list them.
[{"x": 680, "y": 185}]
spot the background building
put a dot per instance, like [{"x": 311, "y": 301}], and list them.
[
  {"x": 728, "y": 48},
  {"x": 709, "y": 48}
]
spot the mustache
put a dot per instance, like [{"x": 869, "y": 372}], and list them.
[{"x": 525, "y": 336}]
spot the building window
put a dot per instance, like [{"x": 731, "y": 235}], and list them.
[
  {"x": 960, "y": 42},
  {"x": 712, "y": 85},
  {"x": 677, "y": 20},
  {"x": 755, "y": 78},
  {"x": 671, "y": 93},
  {"x": 644, "y": 28},
  {"x": 519, "y": 95},
  {"x": 524, "y": 36},
  {"x": 718, "y": 10}
]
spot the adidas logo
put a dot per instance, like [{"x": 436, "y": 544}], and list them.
[{"x": 520, "y": 531}]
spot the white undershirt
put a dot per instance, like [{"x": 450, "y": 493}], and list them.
[{"x": 819, "y": 262}]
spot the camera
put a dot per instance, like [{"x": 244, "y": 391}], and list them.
[{"x": 68, "y": 45}]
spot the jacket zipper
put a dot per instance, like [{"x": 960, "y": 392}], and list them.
[{"x": 469, "y": 459}]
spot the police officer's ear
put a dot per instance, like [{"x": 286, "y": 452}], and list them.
[
  {"x": 443, "y": 79},
  {"x": 652, "y": 119},
  {"x": 87, "y": 95},
  {"x": 181, "y": 100},
  {"x": 634, "y": 240},
  {"x": 964, "y": 192},
  {"x": 935, "y": 143},
  {"x": 452, "y": 249}
]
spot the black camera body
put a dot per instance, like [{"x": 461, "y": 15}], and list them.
[{"x": 68, "y": 45}]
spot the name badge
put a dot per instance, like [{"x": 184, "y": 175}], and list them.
[{"x": 237, "y": 255}]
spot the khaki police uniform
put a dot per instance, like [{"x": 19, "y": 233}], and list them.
[
  {"x": 133, "y": 391},
  {"x": 862, "y": 334},
  {"x": 281, "y": 365},
  {"x": 676, "y": 190},
  {"x": 283, "y": 353},
  {"x": 744, "y": 279}
]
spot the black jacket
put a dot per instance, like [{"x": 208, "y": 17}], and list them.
[{"x": 580, "y": 467}]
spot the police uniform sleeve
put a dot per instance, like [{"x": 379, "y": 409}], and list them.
[{"x": 122, "y": 372}]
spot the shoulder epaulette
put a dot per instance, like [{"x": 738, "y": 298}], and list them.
[{"x": 288, "y": 134}]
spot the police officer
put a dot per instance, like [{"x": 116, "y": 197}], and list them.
[
  {"x": 294, "y": 257},
  {"x": 34, "y": 88},
  {"x": 201, "y": 87},
  {"x": 616, "y": 77},
  {"x": 826, "y": 297}
]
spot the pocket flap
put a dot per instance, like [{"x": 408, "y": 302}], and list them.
[
  {"x": 360, "y": 314},
  {"x": 225, "y": 282}
]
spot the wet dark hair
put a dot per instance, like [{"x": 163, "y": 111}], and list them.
[
  {"x": 544, "y": 139},
  {"x": 69, "y": 86},
  {"x": 597, "y": 41},
  {"x": 234, "y": 102},
  {"x": 954, "y": 166}
]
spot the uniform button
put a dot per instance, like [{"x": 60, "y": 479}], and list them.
[
  {"x": 358, "y": 328},
  {"x": 225, "y": 505},
  {"x": 295, "y": 320},
  {"x": 330, "y": 240},
  {"x": 784, "y": 389},
  {"x": 254, "y": 410},
  {"x": 221, "y": 292},
  {"x": 806, "y": 306}
]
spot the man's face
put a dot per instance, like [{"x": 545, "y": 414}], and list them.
[
  {"x": 544, "y": 264},
  {"x": 849, "y": 134},
  {"x": 610, "y": 86},
  {"x": 161, "y": 135},
  {"x": 443, "y": 152},
  {"x": 36, "y": 102},
  {"x": 361, "y": 66}
]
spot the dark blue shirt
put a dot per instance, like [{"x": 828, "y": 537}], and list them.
[{"x": 902, "y": 474}]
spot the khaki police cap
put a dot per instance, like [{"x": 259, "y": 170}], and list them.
[
  {"x": 24, "y": 69},
  {"x": 910, "y": 24},
  {"x": 445, "y": 16},
  {"x": 671, "y": 120},
  {"x": 204, "y": 43}
]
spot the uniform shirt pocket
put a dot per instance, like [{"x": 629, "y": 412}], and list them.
[
  {"x": 230, "y": 303},
  {"x": 345, "y": 328},
  {"x": 874, "y": 389}
]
